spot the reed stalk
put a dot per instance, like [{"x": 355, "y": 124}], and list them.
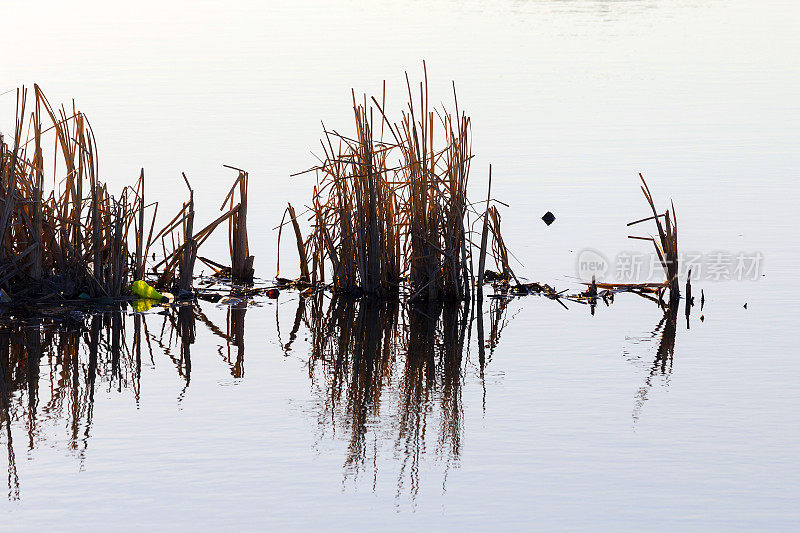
[{"x": 667, "y": 245}]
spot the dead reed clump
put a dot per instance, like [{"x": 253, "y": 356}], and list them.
[
  {"x": 389, "y": 211},
  {"x": 70, "y": 237},
  {"x": 73, "y": 237}
]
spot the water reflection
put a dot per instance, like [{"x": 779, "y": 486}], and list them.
[
  {"x": 390, "y": 373},
  {"x": 661, "y": 366},
  {"x": 50, "y": 368},
  {"x": 70, "y": 393},
  {"x": 386, "y": 377}
]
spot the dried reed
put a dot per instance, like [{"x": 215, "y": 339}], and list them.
[
  {"x": 73, "y": 237},
  {"x": 392, "y": 213},
  {"x": 667, "y": 245}
]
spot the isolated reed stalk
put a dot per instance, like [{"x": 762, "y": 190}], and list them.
[
  {"x": 241, "y": 260},
  {"x": 189, "y": 253},
  {"x": 667, "y": 245},
  {"x": 484, "y": 238},
  {"x": 140, "y": 250},
  {"x": 301, "y": 250}
]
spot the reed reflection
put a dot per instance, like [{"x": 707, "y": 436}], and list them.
[
  {"x": 661, "y": 366},
  {"x": 51, "y": 368},
  {"x": 387, "y": 376},
  {"x": 390, "y": 375}
]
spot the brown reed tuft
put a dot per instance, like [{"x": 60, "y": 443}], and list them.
[
  {"x": 73, "y": 237},
  {"x": 387, "y": 214}
]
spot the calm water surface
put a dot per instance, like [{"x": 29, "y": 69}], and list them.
[{"x": 308, "y": 414}]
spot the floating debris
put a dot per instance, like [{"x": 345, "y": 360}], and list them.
[{"x": 141, "y": 289}]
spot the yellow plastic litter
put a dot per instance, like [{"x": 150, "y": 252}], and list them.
[
  {"x": 143, "y": 290},
  {"x": 142, "y": 305}
]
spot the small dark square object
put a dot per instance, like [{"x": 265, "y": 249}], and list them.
[{"x": 548, "y": 218}]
